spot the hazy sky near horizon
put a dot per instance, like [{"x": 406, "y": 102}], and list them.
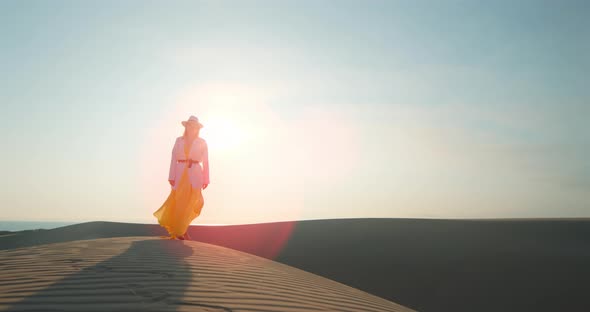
[{"x": 312, "y": 109}]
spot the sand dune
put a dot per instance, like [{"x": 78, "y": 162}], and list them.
[
  {"x": 153, "y": 274},
  {"x": 426, "y": 265},
  {"x": 438, "y": 265}
]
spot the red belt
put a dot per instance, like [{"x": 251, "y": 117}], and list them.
[{"x": 190, "y": 162}]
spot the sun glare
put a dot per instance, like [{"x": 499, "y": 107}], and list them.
[{"x": 222, "y": 133}]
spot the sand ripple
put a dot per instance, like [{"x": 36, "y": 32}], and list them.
[{"x": 152, "y": 274}]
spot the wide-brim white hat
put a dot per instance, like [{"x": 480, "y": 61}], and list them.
[{"x": 192, "y": 121}]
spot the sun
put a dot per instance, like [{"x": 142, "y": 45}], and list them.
[{"x": 222, "y": 133}]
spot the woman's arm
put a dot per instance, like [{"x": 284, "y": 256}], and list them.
[
  {"x": 205, "y": 165},
  {"x": 172, "y": 172}
]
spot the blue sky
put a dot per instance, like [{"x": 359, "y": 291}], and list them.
[{"x": 334, "y": 108}]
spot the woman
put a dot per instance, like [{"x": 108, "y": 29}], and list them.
[{"x": 189, "y": 172}]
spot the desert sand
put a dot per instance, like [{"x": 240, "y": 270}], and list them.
[
  {"x": 426, "y": 265},
  {"x": 155, "y": 274}
]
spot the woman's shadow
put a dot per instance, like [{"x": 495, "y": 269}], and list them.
[{"x": 151, "y": 274}]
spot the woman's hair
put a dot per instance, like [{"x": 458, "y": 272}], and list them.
[{"x": 185, "y": 132}]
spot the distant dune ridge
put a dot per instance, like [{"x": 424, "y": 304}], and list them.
[{"x": 427, "y": 265}]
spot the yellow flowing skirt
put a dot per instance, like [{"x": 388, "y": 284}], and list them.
[{"x": 181, "y": 207}]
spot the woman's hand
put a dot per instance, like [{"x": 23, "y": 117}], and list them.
[
  {"x": 205, "y": 186},
  {"x": 171, "y": 182}
]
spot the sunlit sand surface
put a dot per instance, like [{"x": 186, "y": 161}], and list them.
[{"x": 154, "y": 274}]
